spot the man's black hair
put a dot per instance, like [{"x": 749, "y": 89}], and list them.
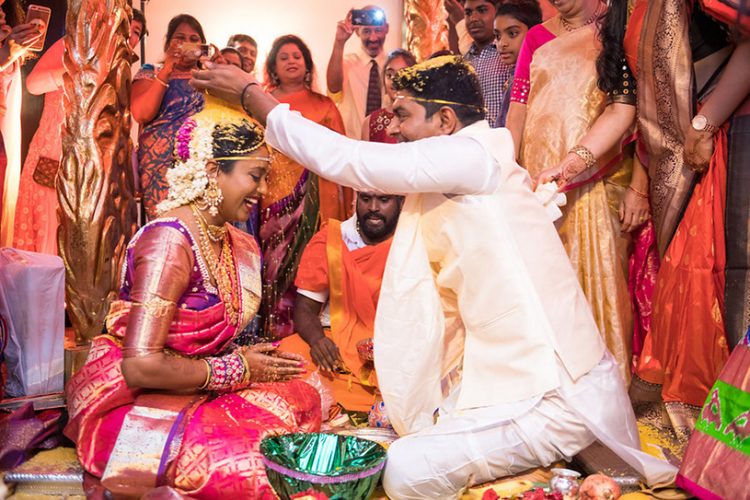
[{"x": 449, "y": 79}]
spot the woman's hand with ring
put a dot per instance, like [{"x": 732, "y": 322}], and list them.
[
  {"x": 634, "y": 211},
  {"x": 267, "y": 364}
]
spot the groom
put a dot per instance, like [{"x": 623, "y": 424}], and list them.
[{"x": 487, "y": 354}]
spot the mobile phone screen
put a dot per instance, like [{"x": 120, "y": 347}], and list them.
[
  {"x": 39, "y": 16},
  {"x": 368, "y": 17}
]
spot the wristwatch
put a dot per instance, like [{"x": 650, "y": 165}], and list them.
[{"x": 700, "y": 123}]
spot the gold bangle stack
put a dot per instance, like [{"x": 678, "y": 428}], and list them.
[
  {"x": 246, "y": 378},
  {"x": 585, "y": 154}
]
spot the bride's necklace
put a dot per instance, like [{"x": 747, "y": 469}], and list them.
[
  {"x": 215, "y": 233},
  {"x": 569, "y": 27},
  {"x": 221, "y": 268}
]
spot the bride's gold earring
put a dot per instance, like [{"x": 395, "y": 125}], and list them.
[{"x": 213, "y": 197}]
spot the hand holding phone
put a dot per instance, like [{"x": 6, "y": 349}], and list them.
[
  {"x": 190, "y": 50},
  {"x": 5, "y": 31},
  {"x": 38, "y": 16},
  {"x": 368, "y": 17},
  {"x": 209, "y": 52}
]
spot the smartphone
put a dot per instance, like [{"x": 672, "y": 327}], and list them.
[
  {"x": 208, "y": 50},
  {"x": 38, "y": 15},
  {"x": 368, "y": 17}
]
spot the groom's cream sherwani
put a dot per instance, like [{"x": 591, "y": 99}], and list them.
[{"x": 480, "y": 313}]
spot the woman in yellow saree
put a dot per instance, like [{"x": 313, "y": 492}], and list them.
[{"x": 567, "y": 129}]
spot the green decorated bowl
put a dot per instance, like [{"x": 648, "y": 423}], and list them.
[{"x": 342, "y": 466}]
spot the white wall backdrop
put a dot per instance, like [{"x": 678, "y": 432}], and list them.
[{"x": 312, "y": 20}]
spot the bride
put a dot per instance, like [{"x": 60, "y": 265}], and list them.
[{"x": 165, "y": 397}]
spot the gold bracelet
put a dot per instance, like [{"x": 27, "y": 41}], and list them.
[
  {"x": 639, "y": 193},
  {"x": 585, "y": 154},
  {"x": 161, "y": 82},
  {"x": 246, "y": 377},
  {"x": 208, "y": 375}
]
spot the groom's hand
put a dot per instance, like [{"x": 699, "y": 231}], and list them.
[
  {"x": 225, "y": 81},
  {"x": 229, "y": 82}
]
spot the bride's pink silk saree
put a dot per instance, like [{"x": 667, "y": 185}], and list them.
[{"x": 202, "y": 444}]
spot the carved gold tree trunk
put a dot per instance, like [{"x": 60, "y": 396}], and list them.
[
  {"x": 95, "y": 183},
  {"x": 426, "y": 29}
]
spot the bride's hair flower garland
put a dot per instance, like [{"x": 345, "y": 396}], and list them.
[
  {"x": 187, "y": 178},
  {"x": 218, "y": 132}
]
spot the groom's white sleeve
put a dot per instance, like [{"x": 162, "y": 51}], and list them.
[{"x": 444, "y": 164}]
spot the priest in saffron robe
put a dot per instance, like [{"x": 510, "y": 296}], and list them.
[{"x": 338, "y": 284}]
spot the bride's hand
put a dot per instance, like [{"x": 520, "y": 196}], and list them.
[{"x": 267, "y": 364}]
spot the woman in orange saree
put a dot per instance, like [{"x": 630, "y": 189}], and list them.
[
  {"x": 297, "y": 200},
  {"x": 166, "y": 399},
  {"x": 571, "y": 131},
  {"x": 690, "y": 339}
]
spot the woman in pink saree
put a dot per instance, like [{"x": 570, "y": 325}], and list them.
[{"x": 166, "y": 399}]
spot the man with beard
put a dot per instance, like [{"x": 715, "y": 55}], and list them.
[
  {"x": 355, "y": 80},
  {"x": 488, "y": 357},
  {"x": 339, "y": 275}
]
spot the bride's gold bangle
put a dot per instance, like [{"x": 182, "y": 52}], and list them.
[
  {"x": 208, "y": 375},
  {"x": 246, "y": 378}
]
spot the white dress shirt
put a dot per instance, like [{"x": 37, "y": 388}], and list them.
[
  {"x": 352, "y": 100},
  {"x": 426, "y": 166}
]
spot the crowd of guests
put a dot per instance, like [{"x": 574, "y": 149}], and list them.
[{"x": 648, "y": 155}]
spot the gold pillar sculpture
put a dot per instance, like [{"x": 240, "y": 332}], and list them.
[
  {"x": 95, "y": 186},
  {"x": 425, "y": 27}
]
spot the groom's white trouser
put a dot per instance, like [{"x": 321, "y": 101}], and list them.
[{"x": 473, "y": 446}]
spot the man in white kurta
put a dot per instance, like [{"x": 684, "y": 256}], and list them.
[{"x": 488, "y": 357}]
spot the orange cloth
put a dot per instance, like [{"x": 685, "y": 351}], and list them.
[
  {"x": 353, "y": 279},
  {"x": 687, "y": 347},
  {"x": 335, "y": 200}
]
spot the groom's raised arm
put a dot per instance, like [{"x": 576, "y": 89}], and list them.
[{"x": 445, "y": 164}]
